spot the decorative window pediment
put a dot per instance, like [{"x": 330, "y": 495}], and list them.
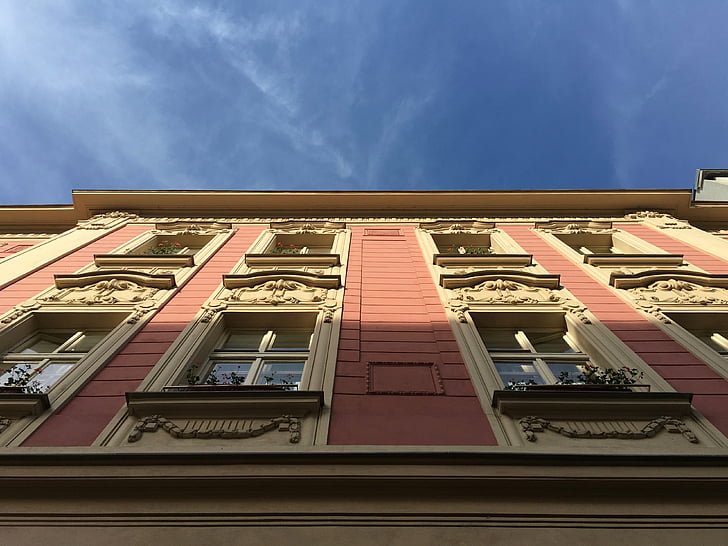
[
  {"x": 280, "y": 287},
  {"x": 674, "y": 287},
  {"x": 107, "y": 287},
  {"x": 492, "y": 280}
]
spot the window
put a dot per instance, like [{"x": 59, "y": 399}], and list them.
[
  {"x": 303, "y": 243},
  {"x": 464, "y": 244},
  {"x": 710, "y": 328},
  {"x": 173, "y": 244},
  {"x": 537, "y": 351},
  {"x": 597, "y": 243},
  {"x": 39, "y": 361},
  {"x": 260, "y": 357}
]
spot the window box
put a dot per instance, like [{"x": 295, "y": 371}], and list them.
[
  {"x": 297, "y": 260},
  {"x": 646, "y": 260},
  {"x": 144, "y": 260},
  {"x": 201, "y": 403},
  {"x": 14, "y": 403},
  {"x": 598, "y": 404},
  {"x": 484, "y": 260}
]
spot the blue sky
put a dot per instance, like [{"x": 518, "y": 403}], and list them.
[{"x": 369, "y": 95}]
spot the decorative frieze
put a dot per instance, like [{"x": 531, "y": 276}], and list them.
[
  {"x": 674, "y": 287},
  {"x": 605, "y": 430},
  {"x": 458, "y": 226},
  {"x": 224, "y": 429},
  {"x": 574, "y": 226},
  {"x": 191, "y": 228}
]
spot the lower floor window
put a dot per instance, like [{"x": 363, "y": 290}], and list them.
[
  {"x": 39, "y": 361},
  {"x": 275, "y": 356}
]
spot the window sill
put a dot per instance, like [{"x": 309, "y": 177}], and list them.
[
  {"x": 633, "y": 259},
  {"x": 202, "y": 401},
  {"x": 144, "y": 260},
  {"x": 15, "y": 404},
  {"x": 489, "y": 260},
  {"x": 324, "y": 260},
  {"x": 599, "y": 404}
]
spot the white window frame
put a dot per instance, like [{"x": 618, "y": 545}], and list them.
[{"x": 265, "y": 354}]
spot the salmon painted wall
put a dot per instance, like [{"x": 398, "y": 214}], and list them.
[
  {"x": 80, "y": 421},
  {"x": 396, "y": 341},
  {"x": 40, "y": 280},
  {"x": 684, "y": 371}
]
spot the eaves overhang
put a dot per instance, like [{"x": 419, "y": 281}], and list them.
[{"x": 324, "y": 204}]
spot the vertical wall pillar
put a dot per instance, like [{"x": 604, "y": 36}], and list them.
[{"x": 400, "y": 379}]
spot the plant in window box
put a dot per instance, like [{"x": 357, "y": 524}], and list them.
[
  {"x": 280, "y": 248},
  {"x": 18, "y": 379},
  {"x": 165, "y": 247},
  {"x": 591, "y": 378},
  {"x": 235, "y": 381},
  {"x": 464, "y": 250}
]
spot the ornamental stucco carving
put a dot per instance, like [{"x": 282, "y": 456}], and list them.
[
  {"x": 308, "y": 227},
  {"x": 225, "y": 429},
  {"x": 605, "y": 430},
  {"x": 506, "y": 292},
  {"x": 191, "y": 228},
  {"x": 458, "y": 226},
  {"x": 574, "y": 226},
  {"x": 104, "y": 220},
  {"x": 276, "y": 292},
  {"x": 111, "y": 291},
  {"x": 675, "y": 291},
  {"x": 4, "y": 424},
  {"x": 20, "y": 310}
]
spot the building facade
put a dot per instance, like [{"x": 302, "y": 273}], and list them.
[{"x": 351, "y": 367}]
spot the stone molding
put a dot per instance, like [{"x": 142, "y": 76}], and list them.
[{"x": 645, "y": 260}]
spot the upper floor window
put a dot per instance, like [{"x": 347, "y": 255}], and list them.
[
  {"x": 710, "y": 328},
  {"x": 172, "y": 244},
  {"x": 597, "y": 243},
  {"x": 301, "y": 243},
  {"x": 464, "y": 243},
  {"x": 40, "y": 360}
]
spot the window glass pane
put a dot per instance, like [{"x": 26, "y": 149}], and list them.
[
  {"x": 226, "y": 373},
  {"x": 281, "y": 373},
  {"x": 548, "y": 341},
  {"x": 45, "y": 343},
  {"x": 515, "y": 372},
  {"x": 291, "y": 340},
  {"x": 499, "y": 339},
  {"x": 318, "y": 249},
  {"x": 85, "y": 343},
  {"x": 570, "y": 371},
  {"x": 244, "y": 340},
  {"x": 49, "y": 374},
  {"x": 17, "y": 374}
]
